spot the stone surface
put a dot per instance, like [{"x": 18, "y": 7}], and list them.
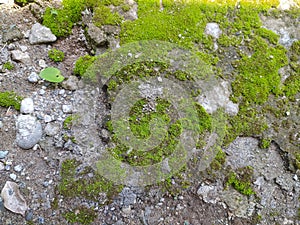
[
  {"x": 287, "y": 4},
  {"x": 213, "y": 30},
  {"x": 51, "y": 129},
  {"x": 13, "y": 200},
  {"x": 20, "y": 56},
  {"x": 71, "y": 83},
  {"x": 218, "y": 97},
  {"x": 29, "y": 131},
  {"x": 12, "y": 34},
  {"x": 40, "y": 34},
  {"x": 27, "y": 106},
  {"x": 97, "y": 35}
]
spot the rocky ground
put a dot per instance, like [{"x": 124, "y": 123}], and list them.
[{"x": 31, "y": 166}]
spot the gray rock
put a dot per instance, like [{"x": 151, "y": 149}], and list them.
[
  {"x": 51, "y": 129},
  {"x": 27, "y": 106},
  {"x": 12, "y": 34},
  {"x": 98, "y": 37},
  {"x": 287, "y": 4},
  {"x": 13, "y": 200},
  {"x": 213, "y": 30},
  {"x": 29, "y": 131},
  {"x": 71, "y": 83},
  {"x": 218, "y": 97},
  {"x": 33, "y": 77},
  {"x": 128, "y": 197},
  {"x": 40, "y": 34},
  {"x": 7, "y": 2},
  {"x": 209, "y": 194},
  {"x": 20, "y": 56},
  {"x": 4, "y": 55},
  {"x": 3, "y": 154}
]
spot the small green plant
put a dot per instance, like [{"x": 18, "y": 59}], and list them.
[
  {"x": 8, "y": 66},
  {"x": 265, "y": 143},
  {"x": 56, "y": 55},
  {"x": 69, "y": 121},
  {"x": 219, "y": 160},
  {"x": 51, "y": 74},
  {"x": 10, "y": 98},
  {"x": 83, "y": 63}
]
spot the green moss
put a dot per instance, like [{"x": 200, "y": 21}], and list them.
[
  {"x": 59, "y": 21},
  {"x": 241, "y": 181},
  {"x": 56, "y": 55},
  {"x": 265, "y": 143},
  {"x": 9, "y": 98},
  {"x": 104, "y": 16},
  {"x": 69, "y": 121},
  {"x": 268, "y": 34},
  {"x": 258, "y": 74},
  {"x": 219, "y": 160},
  {"x": 80, "y": 184},
  {"x": 83, "y": 215},
  {"x": 8, "y": 66},
  {"x": 74, "y": 9},
  {"x": 292, "y": 86},
  {"x": 82, "y": 64}
]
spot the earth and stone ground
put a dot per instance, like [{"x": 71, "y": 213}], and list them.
[{"x": 254, "y": 179}]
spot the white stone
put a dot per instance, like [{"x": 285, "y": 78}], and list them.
[
  {"x": 287, "y": 4},
  {"x": 67, "y": 108},
  {"x": 33, "y": 77},
  {"x": 42, "y": 63},
  {"x": 213, "y": 30},
  {"x": 18, "y": 168},
  {"x": 13, "y": 176},
  {"x": 27, "y": 106},
  {"x": 40, "y": 34},
  {"x": 20, "y": 56}
]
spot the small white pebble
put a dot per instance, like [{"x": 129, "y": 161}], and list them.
[{"x": 13, "y": 176}]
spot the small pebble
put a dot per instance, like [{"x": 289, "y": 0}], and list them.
[
  {"x": 42, "y": 92},
  {"x": 2, "y": 167},
  {"x": 3, "y": 154},
  {"x": 13, "y": 176},
  {"x": 41, "y": 220},
  {"x": 42, "y": 63},
  {"x": 33, "y": 77},
  {"x": 47, "y": 119},
  {"x": 18, "y": 168}
]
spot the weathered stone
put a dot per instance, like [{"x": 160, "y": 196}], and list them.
[
  {"x": 13, "y": 200},
  {"x": 97, "y": 35},
  {"x": 20, "y": 56},
  {"x": 12, "y": 34},
  {"x": 40, "y": 34},
  {"x": 71, "y": 83}
]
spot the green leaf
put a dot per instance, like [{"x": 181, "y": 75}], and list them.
[{"x": 51, "y": 74}]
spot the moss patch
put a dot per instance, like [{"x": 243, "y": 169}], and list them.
[
  {"x": 241, "y": 180},
  {"x": 8, "y": 66},
  {"x": 76, "y": 183},
  {"x": 81, "y": 215},
  {"x": 82, "y": 64},
  {"x": 56, "y": 55},
  {"x": 9, "y": 98}
]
